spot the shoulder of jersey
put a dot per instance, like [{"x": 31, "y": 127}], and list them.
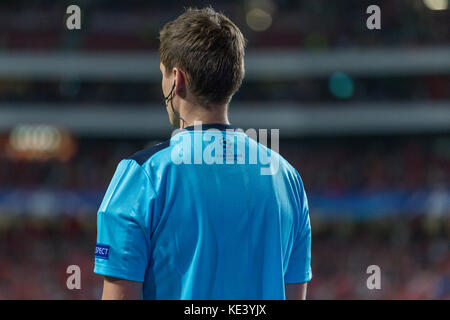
[
  {"x": 142, "y": 156},
  {"x": 284, "y": 162}
]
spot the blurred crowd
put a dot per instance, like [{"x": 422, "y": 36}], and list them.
[
  {"x": 331, "y": 165},
  {"x": 303, "y": 91},
  {"x": 134, "y": 24},
  {"x": 311, "y": 26},
  {"x": 412, "y": 255},
  {"x": 377, "y": 163},
  {"x": 35, "y": 254}
]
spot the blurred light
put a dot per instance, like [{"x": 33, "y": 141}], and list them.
[
  {"x": 258, "y": 19},
  {"x": 40, "y": 138},
  {"x": 40, "y": 142},
  {"x": 436, "y": 4},
  {"x": 268, "y": 6},
  {"x": 341, "y": 85}
]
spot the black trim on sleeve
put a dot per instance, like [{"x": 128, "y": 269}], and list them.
[{"x": 142, "y": 156}]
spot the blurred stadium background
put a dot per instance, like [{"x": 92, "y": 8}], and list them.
[{"x": 364, "y": 115}]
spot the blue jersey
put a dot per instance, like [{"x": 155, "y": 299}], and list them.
[{"x": 209, "y": 214}]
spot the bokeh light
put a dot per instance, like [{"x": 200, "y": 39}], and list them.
[
  {"x": 341, "y": 85},
  {"x": 436, "y": 4},
  {"x": 40, "y": 142},
  {"x": 258, "y": 19}
]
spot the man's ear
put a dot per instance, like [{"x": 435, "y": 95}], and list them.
[{"x": 180, "y": 78}]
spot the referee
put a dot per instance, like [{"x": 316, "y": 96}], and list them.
[{"x": 196, "y": 217}]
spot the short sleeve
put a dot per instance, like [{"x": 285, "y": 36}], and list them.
[
  {"x": 123, "y": 239},
  {"x": 299, "y": 266}
]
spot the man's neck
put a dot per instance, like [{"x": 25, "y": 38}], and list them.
[{"x": 198, "y": 114}]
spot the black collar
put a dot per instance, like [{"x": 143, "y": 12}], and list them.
[{"x": 217, "y": 126}]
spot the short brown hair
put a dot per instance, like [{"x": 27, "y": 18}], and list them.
[{"x": 209, "y": 47}]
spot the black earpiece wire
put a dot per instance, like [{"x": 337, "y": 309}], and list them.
[{"x": 169, "y": 98}]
